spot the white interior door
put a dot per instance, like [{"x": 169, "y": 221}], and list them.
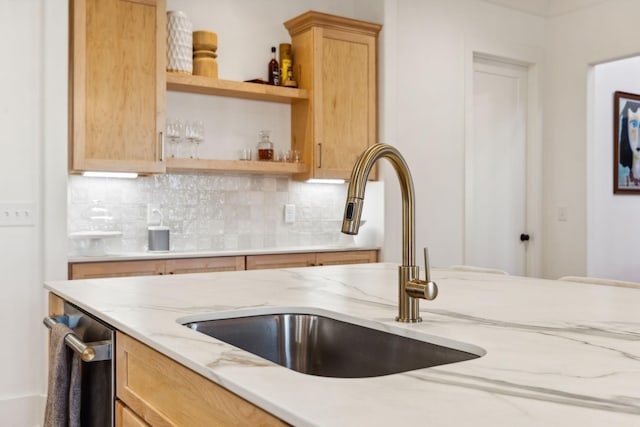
[{"x": 496, "y": 168}]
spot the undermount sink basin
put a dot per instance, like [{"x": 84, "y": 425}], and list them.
[{"x": 318, "y": 345}]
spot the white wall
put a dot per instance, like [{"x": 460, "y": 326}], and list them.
[
  {"x": 575, "y": 41},
  {"x": 21, "y": 120},
  {"x": 426, "y": 58},
  {"x": 612, "y": 220}
]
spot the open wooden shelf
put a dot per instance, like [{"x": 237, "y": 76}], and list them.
[
  {"x": 238, "y": 166},
  {"x": 234, "y": 89},
  {"x": 210, "y": 86}
]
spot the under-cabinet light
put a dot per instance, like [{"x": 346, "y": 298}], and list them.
[
  {"x": 93, "y": 174},
  {"x": 325, "y": 181}
]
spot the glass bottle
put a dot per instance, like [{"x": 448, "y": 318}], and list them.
[
  {"x": 265, "y": 146},
  {"x": 285, "y": 62},
  {"x": 274, "y": 69}
]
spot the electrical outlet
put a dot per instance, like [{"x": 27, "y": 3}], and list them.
[
  {"x": 289, "y": 213},
  {"x": 17, "y": 214}
]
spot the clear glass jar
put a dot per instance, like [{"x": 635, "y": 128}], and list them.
[{"x": 265, "y": 146}]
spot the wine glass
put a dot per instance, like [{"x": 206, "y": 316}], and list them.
[
  {"x": 175, "y": 129},
  {"x": 198, "y": 135},
  {"x": 191, "y": 134}
]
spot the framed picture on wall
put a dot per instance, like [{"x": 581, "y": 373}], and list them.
[{"x": 626, "y": 143}]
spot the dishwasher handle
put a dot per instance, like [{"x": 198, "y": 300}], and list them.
[{"x": 89, "y": 352}]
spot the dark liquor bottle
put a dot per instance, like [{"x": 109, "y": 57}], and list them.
[{"x": 274, "y": 69}]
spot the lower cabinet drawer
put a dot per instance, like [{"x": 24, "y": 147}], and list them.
[{"x": 162, "y": 392}]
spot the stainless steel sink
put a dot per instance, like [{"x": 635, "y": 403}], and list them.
[{"x": 318, "y": 345}]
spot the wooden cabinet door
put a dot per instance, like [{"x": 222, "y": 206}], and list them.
[
  {"x": 125, "y": 417},
  {"x": 257, "y": 262},
  {"x": 164, "y": 392},
  {"x": 347, "y": 257},
  {"x": 88, "y": 270},
  {"x": 345, "y": 102},
  {"x": 203, "y": 265},
  {"x": 335, "y": 58},
  {"x": 92, "y": 270},
  {"x": 118, "y": 83}
]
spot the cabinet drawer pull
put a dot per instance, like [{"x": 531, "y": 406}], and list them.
[
  {"x": 319, "y": 155},
  {"x": 161, "y": 137}
]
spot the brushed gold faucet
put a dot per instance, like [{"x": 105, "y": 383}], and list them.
[{"x": 410, "y": 287}]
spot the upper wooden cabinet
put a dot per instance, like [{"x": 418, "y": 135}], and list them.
[
  {"x": 335, "y": 59},
  {"x": 117, "y": 83}
]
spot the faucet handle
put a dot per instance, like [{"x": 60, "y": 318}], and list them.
[
  {"x": 425, "y": 289},
  {"x": 427, "y": 268}
]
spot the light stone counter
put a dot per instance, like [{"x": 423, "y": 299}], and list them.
[{"x": 557, "y": 353}]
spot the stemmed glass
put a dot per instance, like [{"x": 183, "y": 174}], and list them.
[
  {"x": 195, "y": 135},
  {"x": 198, "y": 135},
  {"x": 175, "y": 129}
]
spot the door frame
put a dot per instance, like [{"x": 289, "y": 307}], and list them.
[{"x": 531, "y": 60}]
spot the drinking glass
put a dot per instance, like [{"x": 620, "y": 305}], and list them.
[
  {"x": 285, "y": 156},
  {"x": 175, "y": 129},
  {"x": 190, "y": 136},
  {"x": 198, "y": 135},
  {"x": 245, "y": 154},
  {"x": 295, "y": 156}
]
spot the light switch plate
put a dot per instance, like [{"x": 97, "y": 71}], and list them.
[
  {"x": 17, "y": 214},
  {"x": 289, "y": 213},
  {"x": 563, "y": 214}
]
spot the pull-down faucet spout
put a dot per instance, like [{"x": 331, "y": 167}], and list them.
[{"x": 410, "y": 287}]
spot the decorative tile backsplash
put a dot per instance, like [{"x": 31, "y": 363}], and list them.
[{"x": 206, "y": 212}]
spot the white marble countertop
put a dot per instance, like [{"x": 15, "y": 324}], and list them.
[
  {"x": 129, "y": 256},
  {"x": 557, "y": 353}
]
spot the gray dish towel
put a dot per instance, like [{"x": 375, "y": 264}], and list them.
[{"x": 63, "y": 394}]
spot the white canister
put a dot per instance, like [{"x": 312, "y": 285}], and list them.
[{"x": 179, "y": 42}]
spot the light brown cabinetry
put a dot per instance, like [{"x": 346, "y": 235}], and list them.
[
  {"x": 117, "y": 82},
  {"x": 349, "y": 257},
  {"x": 204, "y": 265},
  {"x": 161, "y": 392},
  {"x": 89, "y": 270},
  {"x": 92, "y": 270},
  {"x": 256, "y": 262},
  {"x": 259, "y": 262},
  {"x": 125, "y": 417},
  {"x": 335, "y": 58}
]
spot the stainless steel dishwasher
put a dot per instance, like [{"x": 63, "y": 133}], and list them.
[{"x": 92, "y": 340}]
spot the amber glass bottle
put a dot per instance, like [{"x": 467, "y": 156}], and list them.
[{"x": 265, "y": 146}]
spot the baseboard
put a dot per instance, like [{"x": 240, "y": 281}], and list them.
[{"x": 27, "y": 411}]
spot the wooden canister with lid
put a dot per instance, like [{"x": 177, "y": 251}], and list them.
[{"x": 205, "y": 44}]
